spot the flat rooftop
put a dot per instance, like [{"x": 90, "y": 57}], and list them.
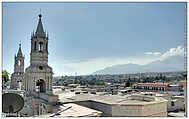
[
  {"x": 74, "y": 110},
  {"x": 176, "y": 114},
  {"x": 69, "y": 97}
]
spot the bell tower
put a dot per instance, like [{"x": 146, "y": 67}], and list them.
[
  {"x": 18, "y": 75},
  {"x": 39, "y": 46},
  {"x": 39, "y": 75}
]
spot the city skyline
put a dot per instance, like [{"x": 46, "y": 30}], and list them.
[{"x": 86, "y": 37}]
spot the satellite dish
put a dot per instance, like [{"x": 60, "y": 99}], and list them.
[{"x": 12, "y": 103}]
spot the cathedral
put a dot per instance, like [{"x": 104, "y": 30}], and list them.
[{"x": 36, "y": 81}]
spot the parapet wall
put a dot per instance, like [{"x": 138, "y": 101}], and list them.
[
  {"x": 148, "y": 109},
  {"x": 142, "y": 98}
]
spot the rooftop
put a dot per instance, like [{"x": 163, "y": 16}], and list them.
[
  {"x": 136, "y": 99},
  {"x": 177, "y": 114},
  {"x": 74, "y": 110},
  {"x": 152, "y": 84}
]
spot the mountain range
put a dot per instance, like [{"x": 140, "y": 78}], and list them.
[{"x": 172, "y": 63}]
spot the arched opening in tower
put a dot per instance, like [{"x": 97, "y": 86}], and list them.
[
  {"x": 35, "y": 45},
  {"x": 19, "y": 85},
  {"x": 19, "y": 62},
  {"x": 40, "y": 46},
  {"x": 41, "y": 87}
]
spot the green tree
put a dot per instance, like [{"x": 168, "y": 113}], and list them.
[
  {"x": 5, "y": 76},
  {"x": 127, "y": 84}
]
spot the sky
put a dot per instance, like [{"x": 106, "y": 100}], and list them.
[{"x": 86, "y": 37}]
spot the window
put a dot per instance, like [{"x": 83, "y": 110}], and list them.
[
  {"x": 172, "y": 103},
  {"x": 40, "y": 46},
  {"x": 19, "y": 62},
  {"x": 35, "y": 44}
]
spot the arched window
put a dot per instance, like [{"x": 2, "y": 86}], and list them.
[
  {"x": 40, "y": 46},
  {"x": 41, "y": 86},
  {"x": 35, "y": 45},
  {"x": 19, "y": 62}
]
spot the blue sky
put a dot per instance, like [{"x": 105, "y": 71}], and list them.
[{"x": 85, "y": 37}]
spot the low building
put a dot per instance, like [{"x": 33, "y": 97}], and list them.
[
  {"x": 120, "y": 106},
  {"x": 174, "y": 104},
  {"x": 184, "y": 84},
  {"x": 175, "y": 87},
  {"x": 151, "y": 86}
]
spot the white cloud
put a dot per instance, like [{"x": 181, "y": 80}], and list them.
[
  {"x": 152, "y": 53},
  {"x": 173, "y": 52}
]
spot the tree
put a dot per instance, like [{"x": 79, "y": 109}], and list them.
[
  {"x": 127, "y": 84},
  {"x": 5, "y": 76},
  {"x": 164, "y": 79}
]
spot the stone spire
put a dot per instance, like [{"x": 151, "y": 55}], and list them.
[
  {"x": 19, "y": 54},
  {"x": 40, "y": 32}
]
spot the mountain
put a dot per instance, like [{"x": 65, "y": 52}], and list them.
[{"x": 172, "y": 63}]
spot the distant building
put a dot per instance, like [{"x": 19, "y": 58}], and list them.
[
  {"x": 151, "y": 86},
  {"x": 175, "y": 103},
  {"x": 175, "y": 87},
  {"x": 184, "y": 84}
]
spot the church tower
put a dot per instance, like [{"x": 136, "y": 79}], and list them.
[
  {"x": 18, "y": 75},
  {"x": 39, "y": 75}
]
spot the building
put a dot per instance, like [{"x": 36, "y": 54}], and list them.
[
  {"x": 136, "y": 105},
  {"x": 18, "y": 75},
  {"x": 184, "y": 84},
  {"x": 175, "y": 87},
  {"x": 39, "y": 75},
  {"x": 151, "y": 86},
  {"x": 174, "y": 104},
  {"x": 37, "y": 79}
]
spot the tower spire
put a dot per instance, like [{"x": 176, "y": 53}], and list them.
[
  {"x": 19, "y": 51},
  {"x": 40, "y": 32}
]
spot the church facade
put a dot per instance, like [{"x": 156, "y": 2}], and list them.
[
  {"x": 38, "y": 76},
  {"x": 36, "y": 81}
]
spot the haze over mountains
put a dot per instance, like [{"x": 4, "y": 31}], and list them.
[{"x": 172, "y": 60}]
